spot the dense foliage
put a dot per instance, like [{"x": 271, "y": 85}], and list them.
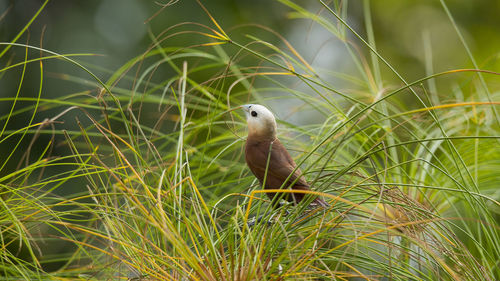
[{"x": 141, "y": 174}]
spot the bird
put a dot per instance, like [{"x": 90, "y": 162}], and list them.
[{"x": 263, "y": 150}]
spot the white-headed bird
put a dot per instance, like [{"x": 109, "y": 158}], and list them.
[{"x": 261, "y": 141}]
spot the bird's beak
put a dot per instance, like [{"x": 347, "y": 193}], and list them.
[
  {"x": 233, "y": 109},
  {"x": 246, "y": 107}
]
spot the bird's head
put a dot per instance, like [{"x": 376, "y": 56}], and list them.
[{"x": 260, "y": 120}]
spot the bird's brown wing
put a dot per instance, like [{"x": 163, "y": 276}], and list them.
[{"x": 281, "y": 164}]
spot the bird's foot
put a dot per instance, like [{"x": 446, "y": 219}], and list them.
[
  {"x": 257, "y": 220},
  {"x": 272, "y": 218}
]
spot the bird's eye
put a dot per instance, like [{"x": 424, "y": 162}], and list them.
[{"x": 254, "y": 114}]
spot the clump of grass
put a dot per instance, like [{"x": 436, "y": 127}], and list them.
[{"x": 167, "y": 195}]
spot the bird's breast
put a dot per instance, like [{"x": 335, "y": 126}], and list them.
[{"x": 256, "y": 156}]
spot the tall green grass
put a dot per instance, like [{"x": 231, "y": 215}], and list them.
[{"x": 163, "y": 192}]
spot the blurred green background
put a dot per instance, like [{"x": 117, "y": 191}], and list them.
[{"x": 118, "y": 30}]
